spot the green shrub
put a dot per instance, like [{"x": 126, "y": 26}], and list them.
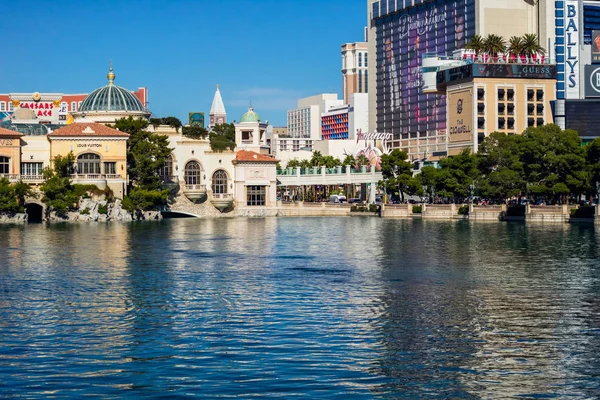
[
  {"x": 463, "y": 210},
  {"x": 85, "y": 211},
  {"x": 103, "y": 209},
  {"x": 417, "y": 209},
  {"x": 145, "y": 200},
  {"x": 373, "y": 208}
]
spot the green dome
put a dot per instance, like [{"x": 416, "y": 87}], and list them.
[{"x": 250, "y": 116}]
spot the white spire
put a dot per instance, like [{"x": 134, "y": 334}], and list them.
[{"x": 217, "y": 108}]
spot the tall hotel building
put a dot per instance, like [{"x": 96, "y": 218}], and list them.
[
  {"x": 401, "y": 32},
  {"x": 355, "y": 76}
]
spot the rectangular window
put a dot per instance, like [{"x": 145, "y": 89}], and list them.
[
  {"x": 4, "y": 165},
  {"x": 73, "y": 106},
  {"x": 10, "y": 106},
  {"x": 255, "y": 195},
  {"x": 2, "y": 106},
  {"x": 110, "y": 168},
  {"x": 32, "y": 168}
]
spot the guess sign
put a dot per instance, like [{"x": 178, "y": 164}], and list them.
[{"x": 41, "y": 109}]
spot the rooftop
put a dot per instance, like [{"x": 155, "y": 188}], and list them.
[
  {"x": 92, "y": 129},
  {"x": 251, "y": 156},
  {"x": 7, "y": 132}
]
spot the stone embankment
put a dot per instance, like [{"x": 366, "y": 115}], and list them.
[
  {"x": 101, "y": 211},
  {"x": 18, "y": 218}
]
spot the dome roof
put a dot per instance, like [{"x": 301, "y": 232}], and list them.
[
  {"x": 111, "y": 98},
  {"x": 250, "y": 116},
  {"x": 23, "y": 114}
]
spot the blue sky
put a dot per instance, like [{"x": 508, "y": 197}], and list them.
[{"x": 270, "y": 52}]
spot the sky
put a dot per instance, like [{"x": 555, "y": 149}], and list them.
[{"x": 268, "y": 53}]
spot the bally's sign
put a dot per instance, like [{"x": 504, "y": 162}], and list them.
[
  {"x": 592, "y": 81},
  {"x": 572, "y": 49}
]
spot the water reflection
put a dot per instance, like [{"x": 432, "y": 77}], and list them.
[{"x": 306, "y": 307}]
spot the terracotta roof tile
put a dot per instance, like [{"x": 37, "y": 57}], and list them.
[
  {"x": 93, "y": 129},
  {"x": 8, "y": 132},
  {"x": 249, "y": 156}
]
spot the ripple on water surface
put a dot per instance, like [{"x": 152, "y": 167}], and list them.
[{"x": 313, "y": 308}]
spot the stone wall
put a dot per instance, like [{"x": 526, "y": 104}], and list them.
[
  {"x": 18, "y": 218},
  {"x": 89, "y": 210},
  {"x": 396, "y": 210},
  {"x": 301, "y": 209}
]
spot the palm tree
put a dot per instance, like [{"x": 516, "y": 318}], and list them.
[
  {"x": 317, "y": 159},
  {"x": 531, "y": 45},
  {"x": 515, "y": 46},
  {"x": 494, "y": 44},
  {"x": 475, "y": 44}
]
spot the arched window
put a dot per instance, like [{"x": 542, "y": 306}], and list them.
[
  {"x": 192, "y": 173},
  {"x": 366, "y": 62},
  {"x": 4, "y": 165},
  {"x": 88, "y": 163},
  {"x": 166, "y": 171},
  {"x": 360, "y": 59},
  {"x": 219, "y": 182}
]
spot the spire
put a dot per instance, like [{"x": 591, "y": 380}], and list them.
[
  {"x": 217, "y": 108},
  {"x": 110, "y": 75}
]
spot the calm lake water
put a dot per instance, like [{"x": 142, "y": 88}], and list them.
[{"x": 302, "y": 307}]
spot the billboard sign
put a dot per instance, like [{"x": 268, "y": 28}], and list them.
[
  {"x": 196, "y": 119},
  {"x": 595, "y": 47},
  {"x": 592, "y": 81}
]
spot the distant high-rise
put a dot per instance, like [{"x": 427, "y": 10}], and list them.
[
  {"x": 217, "y": 114},
  {"x": 355, "y": 77}
]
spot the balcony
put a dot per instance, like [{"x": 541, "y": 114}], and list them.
[
  {"x": 100, "y": 180},
  {"x": 169, "y": 182},
  {"x": 221, "y": 201},
  {"x": 194, "y": 192}
]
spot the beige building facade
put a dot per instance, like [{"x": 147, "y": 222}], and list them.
[
  {"x": 355, "y": 75},
  {"x": 495, "y": 98}
]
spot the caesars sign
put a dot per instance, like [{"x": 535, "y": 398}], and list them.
[{"x": 460, "y": 115}]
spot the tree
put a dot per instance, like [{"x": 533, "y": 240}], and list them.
[
  {"x": 194, "y": 132},
  {"x": 64, "y": 166},
  {"x": 293, "y": 163},
  {"x": 530, "y": 45},
  {"x": 362, "y": 160},
  {"x": 515, "y": 45},
  {"x": 12, "y": 196},
  {"x": 349, "y": 160},
  {"x": 476, "y": 44},
  {"x": 494, "y": 44},
  {"x": 456, "y": 176},
  {"x": 317, "y": 159},
  {"x": 173, "y": 122},
  {"x": 427, "y": 179},
  {"x": 146, "y": 153},
  {"x": 592, "y": 153},
  {"x": 397, "y": 174},
  {"x": 222, "y": 137}
]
